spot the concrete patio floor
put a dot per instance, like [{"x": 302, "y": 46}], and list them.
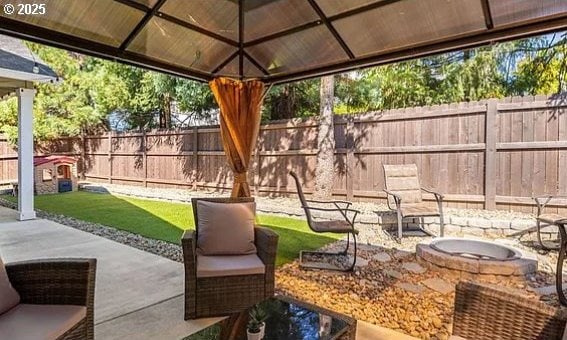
[{"x": 138, "y": 295}]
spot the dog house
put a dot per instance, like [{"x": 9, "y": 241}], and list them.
[{"x": 53, "y": 174}]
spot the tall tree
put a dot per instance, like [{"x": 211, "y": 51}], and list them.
[{"x": 325, "y": 170}]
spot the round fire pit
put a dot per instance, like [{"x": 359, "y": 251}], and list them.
[{"x": 476, "y": 257}]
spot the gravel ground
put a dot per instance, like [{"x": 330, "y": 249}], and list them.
[
  {"x": 390, "y": 288},
  {"x": 379, "y": 291},
  {"x": 287, "y": 205}
]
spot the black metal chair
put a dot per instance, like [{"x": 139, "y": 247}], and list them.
[
  {"x": 546, "y": 220},
  {"x": 343, "y": 226}
]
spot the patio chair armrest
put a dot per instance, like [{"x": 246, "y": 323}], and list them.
[
  {"x": 543, "y": 200},
  {"x": 335, "y": 202},
  {"x": 55, "y": 281},
  {"x": 188, "y": 246},
  {"x": 266, "y": 241},
  {"x": 343, "y": 211},
  {"x": 397, "y": 198},
  {"x": 438, "y": 195}
]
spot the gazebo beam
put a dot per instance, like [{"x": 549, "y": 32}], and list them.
[{"x": 25, "y": 154}]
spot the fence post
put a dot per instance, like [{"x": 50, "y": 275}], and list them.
[
  {"x": 144, "y": 148},
  {"x": 257, "y": 168},
  {"x": 195, "y": 174},
  {"x": 83, "y": 154},
  {"x": 490, "y": 134},
  {"x": 349, "y": 158},
  {"x": 110, "y": 157}
]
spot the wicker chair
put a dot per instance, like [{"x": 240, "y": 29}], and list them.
[
  {"x": 224, "y": 295},
  {"x": 58, "y": 282},
  {"x": 342, "y": 226},
  {"x": 483, "y": 312},
  {"x": 405, "y": 195}
]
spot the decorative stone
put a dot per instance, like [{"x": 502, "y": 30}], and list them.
[
  {"x": 473, "y": 231},
  {"x": 382, "y": 257},
  {"x": 452, "y": 229},
  {"x": 402, "y": 254},
  {"x": 439, "y": 285},
  {"x": 480, "y": 222},
  {"x": 501, "y": 224},
  {"x": 393, "y": 273},
  {"x": 545, "y": 290},
  {"x": 361, "y": 262},
  {"x": 414, "y": 268},
  {"x": 410, "y": 287},
  {"x": 522, "y": 224},
  {"x": 461, "y": 221}
]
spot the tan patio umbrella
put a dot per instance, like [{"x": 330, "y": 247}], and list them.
[{"x": 240, "y": 103}]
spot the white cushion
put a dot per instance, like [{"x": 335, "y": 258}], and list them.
[
  {"x": 39, "y": 322},
  {"x": 225, "y": 228},
  {"x": 229, "y": 265},
  {"x": 9, "y": 297}
]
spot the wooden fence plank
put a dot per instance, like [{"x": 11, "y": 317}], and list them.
[
  {"x": 497, "y": 159},
  {"x": 490, "y": 155}
]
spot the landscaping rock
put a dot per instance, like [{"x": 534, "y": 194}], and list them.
[
  {"x": 361, "y": 262},
  {"x": 382, "y": 257},
  {"x": 439, "y": 285},
  {"x": 414, "y": 267},
  {"x": 393, "y": 273},
  {"x": 410, "y": 287}
]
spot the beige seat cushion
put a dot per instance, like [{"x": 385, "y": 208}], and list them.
[
  {"x": 553, "y": 218},
  {"x": 332, "y": 226},
  {"x": 39, "y": 322},
  {"x": 9, "y": 297},
  {"x": 419, "y": 209},
  {"x": 226, "y": 228},
  {"x": 229, "y": 265}
]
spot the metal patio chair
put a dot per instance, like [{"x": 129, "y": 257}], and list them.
[
  {"x": 342, "y": 226},
  {"x": 405, "y": 195},
  {"x": 546, "y": 220}
]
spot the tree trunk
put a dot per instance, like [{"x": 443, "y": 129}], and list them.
[{"x": 324, "y": 172}]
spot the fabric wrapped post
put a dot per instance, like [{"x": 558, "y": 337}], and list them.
[{"x": 240, "y": 103}]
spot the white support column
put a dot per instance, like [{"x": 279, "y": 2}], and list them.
[{"x": 25, "y": 154}]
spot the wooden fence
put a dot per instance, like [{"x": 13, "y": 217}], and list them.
[{"x": 493, "y": 154}]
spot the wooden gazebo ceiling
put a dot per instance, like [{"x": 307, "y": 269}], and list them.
[{"x": 278, "y": 40}]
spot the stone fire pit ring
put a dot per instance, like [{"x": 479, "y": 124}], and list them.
[{"x": 476, "y": 257}]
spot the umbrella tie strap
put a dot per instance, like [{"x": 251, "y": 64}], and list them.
[{"x": 241, "y": 177}]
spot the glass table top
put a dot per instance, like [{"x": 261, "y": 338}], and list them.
[{"x": 286, "y": 319}]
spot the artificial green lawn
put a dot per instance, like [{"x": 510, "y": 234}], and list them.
[{"x": 167, "y": 220}]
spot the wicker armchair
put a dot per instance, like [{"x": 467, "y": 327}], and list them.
[
  {"x": 223, "y": 295},
  {"x": 483, "y": 312},
  {"x": 58, "y": 282}
]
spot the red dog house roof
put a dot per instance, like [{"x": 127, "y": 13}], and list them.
[{"x": 39, "y": 160}]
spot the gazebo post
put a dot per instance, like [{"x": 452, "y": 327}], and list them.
[{"x": 25, "y": 154}]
